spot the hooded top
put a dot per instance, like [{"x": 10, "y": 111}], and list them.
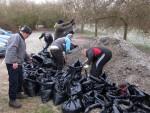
[
  {"x": 62, "y": 29},
  {"x": 64, "y": 43}
]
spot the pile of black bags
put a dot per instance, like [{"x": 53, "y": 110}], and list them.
[{"x": 77, "y": 92}]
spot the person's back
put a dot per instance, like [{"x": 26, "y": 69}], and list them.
[
  {"x": 59, "y": 43},
  {"x": 58, "y": 47}
]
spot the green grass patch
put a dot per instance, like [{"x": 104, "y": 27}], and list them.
[{"x": 44, "y": 109}]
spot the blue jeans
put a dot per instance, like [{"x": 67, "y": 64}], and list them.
[{"x": 15, "y": 80}]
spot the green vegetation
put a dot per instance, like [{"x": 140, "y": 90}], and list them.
[
  {"x": 126, "y": 14},
  {"x": 44, "y": 109}
]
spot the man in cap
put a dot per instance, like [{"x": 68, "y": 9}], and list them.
[{"x": 14, "y": 57}]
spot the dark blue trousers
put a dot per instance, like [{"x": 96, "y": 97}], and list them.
[{"x": 15, "y": 80}]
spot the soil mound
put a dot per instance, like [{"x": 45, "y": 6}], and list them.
[{"x": 128, "y": 64}]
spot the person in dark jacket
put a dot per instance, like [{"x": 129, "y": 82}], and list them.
[
  {"x": 60, "y": 46},
  {"x": 48, "y": 38},
  {"x": 63, "y": 28},
  {"x": 14, "y": 58},
  {"x": 98, "y": 57}
]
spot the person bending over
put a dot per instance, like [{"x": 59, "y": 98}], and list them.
[
  {"x": 60, "y": 46},
  {"x": 97, "y": 57},
  {"x": 48, "y": 38}
]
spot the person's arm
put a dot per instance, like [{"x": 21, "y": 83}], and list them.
[
  {"x": 42, "y": 35},
  {"x": 67, "y": 44},
  {"x": 88, "y": 61},
  {"x": 73, "y": 46},
  {"x": 66, "y": 23},
  {"x": 64, "y": 28},
  {"x": 89, "y": 55},
  {"x": 12, "y": 48}
]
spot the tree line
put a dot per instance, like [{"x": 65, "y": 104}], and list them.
[{"x": 127, "y": 14}]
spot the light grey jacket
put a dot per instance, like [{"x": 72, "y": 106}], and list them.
[{"x": 16, "y": 50}]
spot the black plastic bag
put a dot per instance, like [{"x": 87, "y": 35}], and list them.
[
  {"x": 88, "y": 99},
  {"x": 107, "y": 108},
  {"x": 75, "y": 70},
  {"x": 146, "y": 99},
  {"x": 49, "y": 63},
  {"x": 135, "y": 94},
  {"x": 123, "y": 105},
  {"x": 74, "y": 88},
  {"x": 46, "y": 95},
  {"x": 31, "y": 88},
  {"x": 47, "y": 85},
  {"x": 44, "y": 54},
  {"x": 100, "y": 98},
  {"x": 38, "y": 60},
  {"x": 59, "y": 94},
  {"x": 99, "y": 102},
  {"x": 59, "y": 98},
  {"x": 73, "y": 105},
  {"x": 112, "y": 96},
  {"x": 98, "y": 87},
  {"x": 87, "y": 85}
]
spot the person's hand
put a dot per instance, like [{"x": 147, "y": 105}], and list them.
[
  {"x": 72, "y": 21},
  {"x": 15, "y": 65},
  {"x": 68, "y": 52},
  {"x": 75, "y": 46}
]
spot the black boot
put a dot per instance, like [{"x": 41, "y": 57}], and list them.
[{"x": 14, "y": 104}]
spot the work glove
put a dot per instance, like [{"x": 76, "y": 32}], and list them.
[
  {"x": 72, "y": 21},
  {"x": 40, "y": 38},
  {"x": 86, "y": 66}
]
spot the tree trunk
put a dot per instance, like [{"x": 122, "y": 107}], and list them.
[
  {"x": 125, "y": 28},
  {"x": 121, "y": 19},
  {"x": 82, "y": 27},
  {"x": 125, "y": 31}
]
